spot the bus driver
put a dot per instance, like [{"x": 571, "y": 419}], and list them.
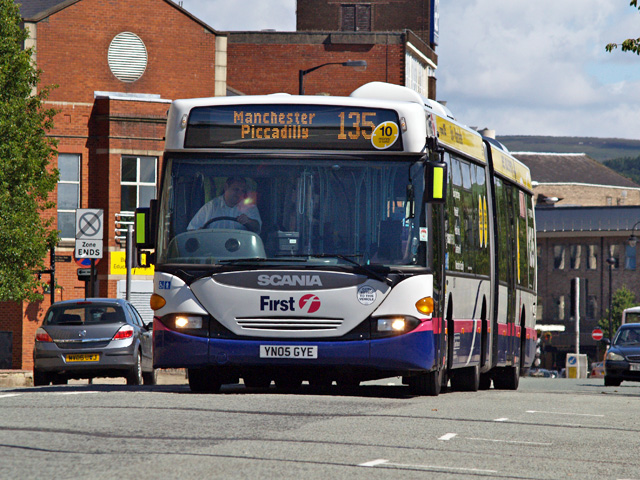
[{"x": 229, "y": 209}]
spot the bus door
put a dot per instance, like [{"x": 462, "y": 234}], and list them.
[{"x": 512, "y": 203}]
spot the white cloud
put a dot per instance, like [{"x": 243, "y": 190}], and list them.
[{"x": 538, "y": 67}]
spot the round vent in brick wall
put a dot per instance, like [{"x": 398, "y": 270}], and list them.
[{"x": 127, "y": 57}]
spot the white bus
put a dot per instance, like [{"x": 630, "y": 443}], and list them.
[{"x": 370, "y": 236}]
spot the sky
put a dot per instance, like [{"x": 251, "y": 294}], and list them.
[{"x": 516, "y": 66}]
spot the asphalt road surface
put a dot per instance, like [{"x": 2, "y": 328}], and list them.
[{"x": 548, "y": 429}]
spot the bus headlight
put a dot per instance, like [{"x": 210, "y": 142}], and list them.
[
  {"x": 393, "y": 325},
  {"x": 188, "y": 322}
]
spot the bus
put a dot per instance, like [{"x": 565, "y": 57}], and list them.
[{"x": 389, "y": 241}]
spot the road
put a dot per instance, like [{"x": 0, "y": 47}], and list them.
[{"x": 548, "y": 429}]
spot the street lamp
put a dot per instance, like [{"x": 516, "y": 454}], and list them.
[
  {"x": 611, "y": 261},
  {"x": 350, "y": 63},
  {"x": 633, "y": 239}
]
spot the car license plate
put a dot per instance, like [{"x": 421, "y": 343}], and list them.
[
  {"x": 634, "y": 367},
  {"x": 83, "y": 357},
  {"x": 289, "y": 351}
]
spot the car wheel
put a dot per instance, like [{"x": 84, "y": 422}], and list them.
[
  {"x": 150, "y": 378},
  {"x": 134, "y": 377},
  {"x": 40, "y": 378},
  {"x": 612, "y": 382},
  {"x": 59, "y": 380}
]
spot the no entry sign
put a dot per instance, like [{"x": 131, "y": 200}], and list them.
[{"x": 597, "y": 334}]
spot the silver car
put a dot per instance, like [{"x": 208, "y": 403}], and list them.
[{"x": 94, "y": 337}]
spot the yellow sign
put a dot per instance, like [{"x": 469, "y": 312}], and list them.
[
  {"x": 119, "y": 266},
  {"x": 460, "y": 138},
  {"x": 385, "y": 135}
]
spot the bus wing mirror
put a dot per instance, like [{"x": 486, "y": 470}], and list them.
[{"x": 436, "y": 182}]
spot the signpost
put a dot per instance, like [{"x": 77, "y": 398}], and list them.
[
  {"x": 597, "y": 334},
  {"x": 89, "y": 231}
]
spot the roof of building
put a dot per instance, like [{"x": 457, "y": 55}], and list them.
[
  {"x": 37, "y": 10},
  {"x": 587, "y": 219},
  {"x": 571, "y": 168}
]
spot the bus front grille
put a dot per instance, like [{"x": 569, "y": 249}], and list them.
[{"x": 290, "y": 324}]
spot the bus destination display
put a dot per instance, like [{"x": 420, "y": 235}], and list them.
[{"x": 293, "y": 127}]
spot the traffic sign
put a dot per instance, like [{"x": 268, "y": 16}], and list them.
[
  {"x": 88, "y": 248},
  {"x": 84, "y": 274},
  {"x": 597, "y": 334},
  {"x": 89, "y": 223}
]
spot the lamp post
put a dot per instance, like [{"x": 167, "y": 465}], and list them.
[
  {"x": 611, "y": 261},
  {"x": 302, "y": 73},
  {"x": 633, "y": 240}
]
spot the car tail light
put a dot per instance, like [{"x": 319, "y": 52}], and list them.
[
  {"x": 43, "y": 336},
  {"x": 126, "y": 331}
]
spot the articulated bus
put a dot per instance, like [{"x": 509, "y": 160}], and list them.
[{"x": 389, "y": 241}]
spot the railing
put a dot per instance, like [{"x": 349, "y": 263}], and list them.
[{"x": 123, "y": 220}]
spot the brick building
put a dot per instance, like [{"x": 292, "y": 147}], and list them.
[
  {"x": 396, "y": 39},
  {"x": 117, "y": 66},
  {"x": 585, "y": 213}
]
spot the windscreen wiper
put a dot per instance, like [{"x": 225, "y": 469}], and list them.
[
  {"x": 240, "y": 261},
  {"x": 369, "y": 272}
]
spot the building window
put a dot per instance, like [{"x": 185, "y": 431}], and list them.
[
  {"x": 68, "y": 193},
  {"x": 592, "y": 257},
  {"x": 417, "y": 75},
  {"x": 614, "y": 252},
  {"x": 138, "y": 182},
  {"x": 561, "y": 308},
  {"x": 592, "y": 306},
  {"x": 629, "y": 258},
  {"x": 558, "y": 257},
  {"x": 356, "y": 18},
  {"x": 576, "y": 254}
]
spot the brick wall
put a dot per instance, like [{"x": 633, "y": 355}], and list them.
[
  {"x": 72, "y": 48},
  {"x": 259, "y": 65}
]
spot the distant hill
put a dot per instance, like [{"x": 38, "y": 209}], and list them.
[{"x": 600, "y": 149}]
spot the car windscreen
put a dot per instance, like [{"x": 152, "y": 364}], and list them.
[{"x": 84, "y": 314}]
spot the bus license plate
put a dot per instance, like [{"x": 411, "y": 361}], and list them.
[
  {"x": 288, "y": 351},
  {"x": 83, "y": 357}
]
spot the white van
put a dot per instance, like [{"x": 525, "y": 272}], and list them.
[{"x": 631, "y": 315}]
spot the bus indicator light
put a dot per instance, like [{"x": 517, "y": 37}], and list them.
[{"x": 425, "y": 305}]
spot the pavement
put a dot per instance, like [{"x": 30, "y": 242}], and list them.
[{"x": 24, "y": 378}]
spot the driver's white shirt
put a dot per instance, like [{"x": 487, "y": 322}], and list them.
[{"x": 218, "y": 208}]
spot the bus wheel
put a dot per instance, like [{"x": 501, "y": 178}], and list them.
[
  {"x": 485, "y": 381},
  {"x": 428, "y": 383},
  {"x": 256, "y": 381},
  {"x": 288, "y": 384},
  {"x": 202, "y": 380},
  {"x": 507, "y": 378},
  {"x": 466, "y": 379}
]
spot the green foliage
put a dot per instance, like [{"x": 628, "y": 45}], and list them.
[
  {"x": 26, "y": 178},
  {"x": 622, "y": 298},
  {"x": 627, "y": 166},
  {"x": 630, "y": 44}
]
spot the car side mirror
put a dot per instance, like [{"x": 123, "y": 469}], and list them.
[
  {"x": 606, "y": 341},
  {"x": 149, "y": 326}
]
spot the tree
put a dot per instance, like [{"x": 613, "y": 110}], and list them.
[
  {"x": 630, "y": 44},
  {"x": 622, "y": 298},
  {"x": 26, "y": 177}
]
